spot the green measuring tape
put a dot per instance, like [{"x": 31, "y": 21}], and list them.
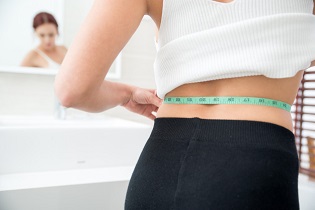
[{"x": 228, "y": 100}]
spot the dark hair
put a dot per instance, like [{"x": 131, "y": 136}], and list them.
[{"x": 44, "y": 17}]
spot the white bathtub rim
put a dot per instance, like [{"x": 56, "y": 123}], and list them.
[
  {"x": 23, "y": 181},
  {"x": 14, "y": 127},
  {"x": 8, "y": 122}
]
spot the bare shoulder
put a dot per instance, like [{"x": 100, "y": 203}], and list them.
[
  {"x": 30, "y": 59},
  {"x": 62, "y": 49}
]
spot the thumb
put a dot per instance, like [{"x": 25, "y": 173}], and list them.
[{"x": 155, "y": 100}]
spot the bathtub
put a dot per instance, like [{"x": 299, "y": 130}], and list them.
[
  {"x": 50, "y": 164},
  {"x": 76, "y": 164}
]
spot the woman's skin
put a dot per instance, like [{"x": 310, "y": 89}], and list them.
[
  {"x": 47, "y": 34},
  {"x": 80, "y": 83}
]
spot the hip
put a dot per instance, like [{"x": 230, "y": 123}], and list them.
[
  {"x": 193, "y": 163},
  {"x": 228, "y": 111}
]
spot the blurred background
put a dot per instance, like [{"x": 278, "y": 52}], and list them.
[
  {"x": 55, "y": 158},
  {"x": 31, "y": 93}
]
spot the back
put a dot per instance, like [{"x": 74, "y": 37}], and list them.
[
  {"x": 208, "y": 40},
  {"x": 184, "y": 17}
]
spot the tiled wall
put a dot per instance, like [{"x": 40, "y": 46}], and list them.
[{"x": 27, "y": 94}]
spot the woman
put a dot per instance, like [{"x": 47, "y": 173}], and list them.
[
  {"x": 203, "y": 156},
  {"x": 47, "y": 54}
]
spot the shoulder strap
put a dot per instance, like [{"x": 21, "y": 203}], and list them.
[
  {"x": 48, "y": 59},
  {"x": 42, "y": 54}
]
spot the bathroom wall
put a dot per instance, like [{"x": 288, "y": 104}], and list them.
[{"x": 27, "y": 94}]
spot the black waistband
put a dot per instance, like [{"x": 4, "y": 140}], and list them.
[{"x": 223, "y": 131}]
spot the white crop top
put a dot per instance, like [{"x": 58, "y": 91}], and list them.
[{"x": 201, "y": 40}]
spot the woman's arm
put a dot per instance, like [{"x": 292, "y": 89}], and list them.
[
  {"x": 106, "y": 30},
  {"x": 28, "y": 60}
]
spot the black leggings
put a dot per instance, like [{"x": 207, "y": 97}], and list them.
[{"x": 215, "y": 164}]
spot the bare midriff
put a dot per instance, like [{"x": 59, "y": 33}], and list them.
[{"x": 284, "y": 89}]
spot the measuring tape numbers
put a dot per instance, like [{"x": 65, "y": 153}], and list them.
[{"x": 228, "y": 100}]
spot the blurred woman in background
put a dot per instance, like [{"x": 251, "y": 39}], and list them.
[{"x": 47, "y": 54}]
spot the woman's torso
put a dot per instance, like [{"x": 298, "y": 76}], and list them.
[
  {"x": 49, "y": 59},
  {"x": 284, "y": 89}
]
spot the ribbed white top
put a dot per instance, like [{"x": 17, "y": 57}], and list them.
[{"x": 201, "y": 40}]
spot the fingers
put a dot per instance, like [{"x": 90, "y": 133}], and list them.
[
  {"x": 144, "y": 102},
  {"x": 154, "y": 91},
  {"x": 150, "y": 112},
  {"x": 154, "y": 99},
  {"x": 151, "y": 116}
]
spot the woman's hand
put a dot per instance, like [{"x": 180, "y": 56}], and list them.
[{"x": 144, "y": 102}]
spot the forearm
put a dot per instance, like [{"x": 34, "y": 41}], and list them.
[{"x": 108, "y": 95}]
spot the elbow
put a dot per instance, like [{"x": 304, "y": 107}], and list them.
[
  {"x": 73, "y": 92},
  {"x": 65, "y": 101},
  {"x": 66, "y": 96}
]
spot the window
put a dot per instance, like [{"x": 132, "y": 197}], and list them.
[{"x": 303, "y": 114}]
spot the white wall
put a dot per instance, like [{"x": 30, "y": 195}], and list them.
[{"x": 74, "y": 13}]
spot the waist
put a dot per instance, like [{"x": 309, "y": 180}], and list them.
[
  {"x": 228, "y": 111},
  {"x": 255, "y": 87}
]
